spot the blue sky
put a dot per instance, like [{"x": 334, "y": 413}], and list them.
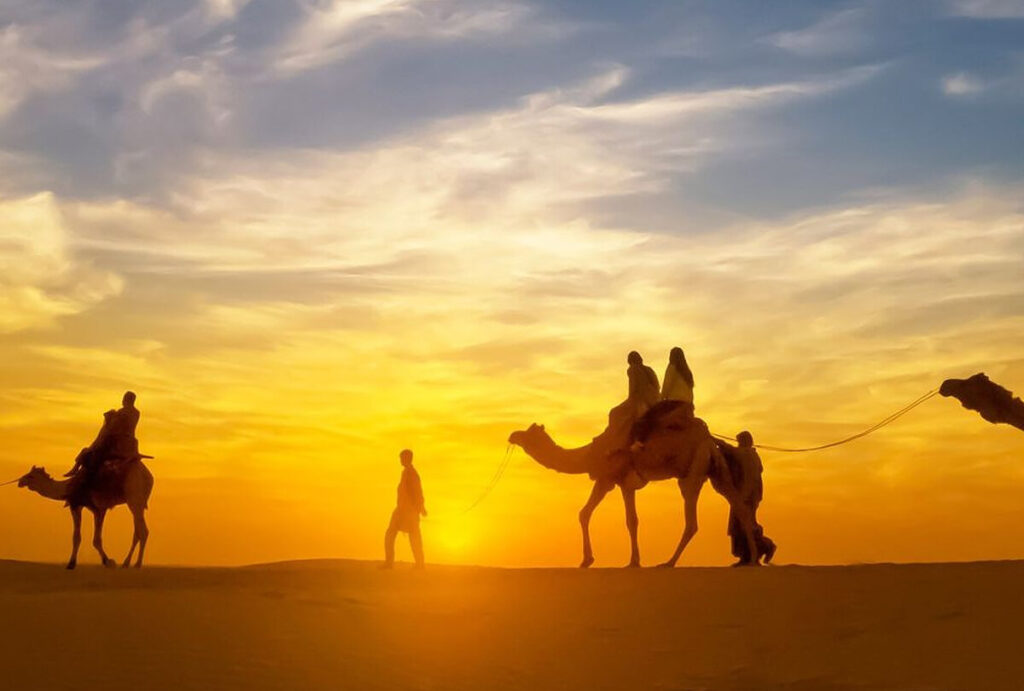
[{"x": 121, "y": 98}]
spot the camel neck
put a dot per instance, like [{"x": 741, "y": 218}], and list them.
[
  {"x": 545, "y": 451},
  {"x": 52, "y": 489}
]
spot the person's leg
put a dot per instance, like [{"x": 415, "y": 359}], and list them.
[
  {"x": 416, "y": 543},
  {"x": 389, "y": 542},
  {"x": 765, "y": 546},
  {"x": 736, "y": 537}
]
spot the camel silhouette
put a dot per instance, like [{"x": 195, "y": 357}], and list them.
[
  {"x": 132, "y": 487},
  {"x": 685, "y": 452}
]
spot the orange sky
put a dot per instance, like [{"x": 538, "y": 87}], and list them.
[{"x": 276, "y": 426}]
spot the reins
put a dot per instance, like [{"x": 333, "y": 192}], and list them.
[{"x": 874, "y": 428}]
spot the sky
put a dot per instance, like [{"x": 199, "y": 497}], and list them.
[{"x": 310, "y": 233}]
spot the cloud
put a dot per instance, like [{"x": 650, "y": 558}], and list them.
[
  {"x": 839, "y": 33},
  {"x": 962, "y": 84},
  {"x": 484, "y": 174},
  {"x": 28, "y": 66},
  {"x": 335, "y": 29},
  {"x": 40, "y": 280},
  {"x": 987, "y": 9}
]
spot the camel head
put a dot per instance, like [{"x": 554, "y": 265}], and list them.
[
  {"x": 529, "y": 436},
  {"x": 31, "y": 478}
]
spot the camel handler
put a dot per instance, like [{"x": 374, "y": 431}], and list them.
[
  {"x": 746, "y": 468},
  {"x": 406, "y": 516}
]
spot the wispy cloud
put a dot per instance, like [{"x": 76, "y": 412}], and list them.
[
  {"x": 962, "y": 84},
  {"x": 27, "y": 67},
  {"x": 40, "y": 280},
  {"x": 987, "y": 9},
  {"x": 335, "y": 29},
  {"x": 838, "y": 33}
]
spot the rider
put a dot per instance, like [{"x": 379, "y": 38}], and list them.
[
  {"x": 122, "y": 443},
  {"x": 643, "y": 385},
  {"x": 115, "y": 440},
  {"x": 678, "y": 382}
]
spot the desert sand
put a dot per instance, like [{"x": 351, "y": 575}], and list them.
[{"x": 343, "y": 624}]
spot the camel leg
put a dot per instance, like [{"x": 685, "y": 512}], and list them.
[
  {"x": 76, "y": 535},
  {"x": 632, "y": 524},
  {"x": 97, "y": 535},
  {"x": 141, "y": 531},
  {"x": 135, "y": 541},
  {"x": 601, "y": 489},
  {"x": 690, "y": 489}
]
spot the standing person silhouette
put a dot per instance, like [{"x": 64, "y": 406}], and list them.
[
  {"x": 746, "y": 468},
  {"x": 406, "y": 516}
]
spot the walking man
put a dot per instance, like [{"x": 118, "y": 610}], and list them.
[
  {"x": 746, "y": 468},
  {"x": 406, "y": 516}
]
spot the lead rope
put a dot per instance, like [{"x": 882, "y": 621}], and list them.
[
  {"x": 874, "y": 428},
  {"x": 495, "y": 479}
]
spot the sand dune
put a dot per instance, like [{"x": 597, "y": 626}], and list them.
[{"x": 338, "y": 624}]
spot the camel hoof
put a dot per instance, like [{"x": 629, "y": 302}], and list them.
[
  {"x": 667, "y": 565},
  {"x": 139, "y": 565},
  {"x": 126, "y": 565},
  {"x": 110, "y": 563},
  {"x": 587, "y": 561},
  {"x": 70, "y": 566},
  {"x": 633, "y": 565}
]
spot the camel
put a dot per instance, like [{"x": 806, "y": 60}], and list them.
[
  {"x": 132, "y": 487},
  {"x": 686, "y": 452}
]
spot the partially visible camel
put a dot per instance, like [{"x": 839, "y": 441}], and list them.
[
  {"x": 132, "y": 487},
  {"x": 686, "y": 452}
]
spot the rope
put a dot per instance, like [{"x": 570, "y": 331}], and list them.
[
  {"x": 874, "y": 428},
  {"x": 486, "y": 491},
  {"x": 9, "y": 482},
  {"x": 495, "y": 479}
]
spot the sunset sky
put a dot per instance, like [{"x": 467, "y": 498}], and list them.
[{"x": 312, "y": 233}]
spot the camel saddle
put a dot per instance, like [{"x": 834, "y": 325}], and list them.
[{"x": 105, "y": 480}]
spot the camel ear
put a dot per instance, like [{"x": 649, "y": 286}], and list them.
[{"x": 541, "y": 427}]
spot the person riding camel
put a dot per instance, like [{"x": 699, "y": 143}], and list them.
[
  {"x": 115, "y": 442},
  {"x": 675, "y": 408},
  {"x": 678, "y": 382},
  {"x": 643, "y": 385},
  {"x": 122, "y": 444},
  {"x": 644, "y": 392}
]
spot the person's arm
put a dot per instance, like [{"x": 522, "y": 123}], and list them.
[
  {"x": 418, "y": 489},
  {"x": 653, "y": 377}
]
